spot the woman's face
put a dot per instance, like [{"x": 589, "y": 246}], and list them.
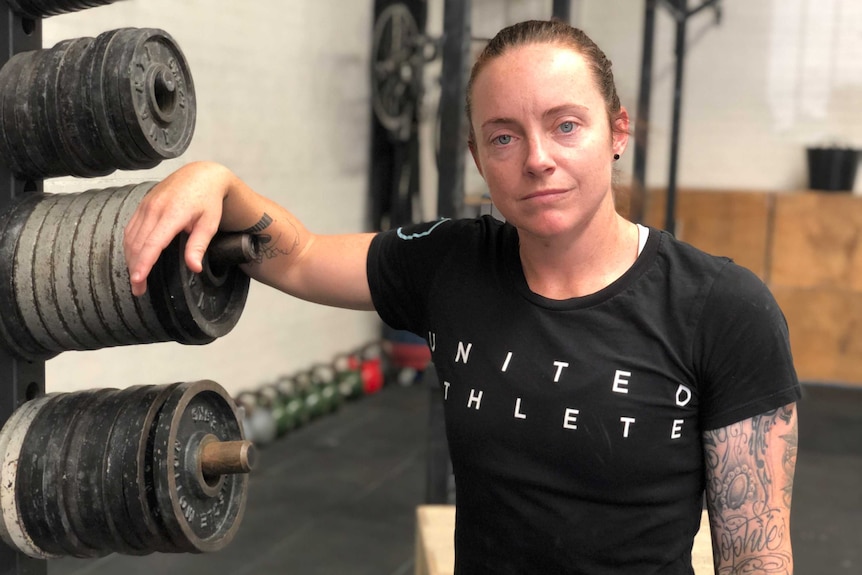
[{"x": 543, "y": 143}]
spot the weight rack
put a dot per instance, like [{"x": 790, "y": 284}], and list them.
[{"x": 19, "y": 380}]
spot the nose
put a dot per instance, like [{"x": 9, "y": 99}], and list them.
[{"x": 539, "y": 160}]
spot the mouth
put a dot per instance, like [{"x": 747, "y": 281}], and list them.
[{"x": 548, "y": 193}]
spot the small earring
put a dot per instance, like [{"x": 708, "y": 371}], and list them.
[{"x": 616, "y": 156}]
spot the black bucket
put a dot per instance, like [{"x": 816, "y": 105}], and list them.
[{"x": 832, "y": 169}]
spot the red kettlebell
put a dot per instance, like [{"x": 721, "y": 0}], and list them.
[{"x": 371, "y": 368}]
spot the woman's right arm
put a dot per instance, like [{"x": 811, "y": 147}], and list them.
[{"x": 203, "y": 198}]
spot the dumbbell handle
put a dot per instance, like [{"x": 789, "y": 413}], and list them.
[{"x": 226, "y": 457}]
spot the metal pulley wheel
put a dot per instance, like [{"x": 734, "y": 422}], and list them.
[
  {"x": 133, "y": 471},
  {"x": 64, "y": 281},
  {"x": 397, "y": 59},
  {"x": 42, "y": 8},
  {"x": 88, "y": 106}
]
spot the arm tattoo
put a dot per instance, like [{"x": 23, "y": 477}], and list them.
[
  {"x": 749, "y": 472},
  {"x": 269, "y": 246}
]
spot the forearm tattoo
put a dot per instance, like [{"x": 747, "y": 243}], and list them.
[
  {"x": 750, "y": 467},
  {"x": 268, "y": 245}
]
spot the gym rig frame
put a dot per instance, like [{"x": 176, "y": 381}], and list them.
[{"x": 20, "y": 380}]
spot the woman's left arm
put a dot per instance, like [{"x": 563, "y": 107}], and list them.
[{"x": 749, "y": 482}]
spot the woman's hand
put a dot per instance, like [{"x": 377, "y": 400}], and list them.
[{"x": 190, "y": 200}]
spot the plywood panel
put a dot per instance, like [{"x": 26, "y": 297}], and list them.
[
  {"x": 817, "y": 241},
  {"x": 825, "y": 332},
  {"x": 732, "y": 223}
]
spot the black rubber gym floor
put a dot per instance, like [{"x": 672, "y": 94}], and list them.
[{"x": 339, "y": 496}]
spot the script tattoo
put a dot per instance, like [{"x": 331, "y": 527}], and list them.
[
  {"x": 750, "y": 467},
  {"x": 268, "y": 246}
]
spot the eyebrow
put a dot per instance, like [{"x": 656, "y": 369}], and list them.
[{"x": 549, "y": 112}]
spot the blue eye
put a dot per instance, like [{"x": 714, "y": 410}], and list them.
[
  {"x": 567, "y": 127},
  {"x": 504, "y": 139}
]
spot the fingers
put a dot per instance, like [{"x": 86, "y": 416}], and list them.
[{"x": 188, "y": 200}]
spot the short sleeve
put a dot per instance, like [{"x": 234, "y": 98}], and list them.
[
  {"x": 742, "y": 351},
  {"x": 401, "y": 266}
]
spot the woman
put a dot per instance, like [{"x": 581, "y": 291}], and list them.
[{"x": 597, "y": 375}]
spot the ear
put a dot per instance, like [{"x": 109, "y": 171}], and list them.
[
  {"x": 620, "y": 135},
  {"x": 471, "y": 143}
]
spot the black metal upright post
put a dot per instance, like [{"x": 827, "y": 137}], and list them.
[
  {"x": 679, "y": 51},
  {"x": 453, "y": 121},
  {"x": 562, "y": 10},
  {"x": 638, "y": 188},
  {"x": 19, "y": 380}
]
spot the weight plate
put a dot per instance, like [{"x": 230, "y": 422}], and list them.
[
  {"x": 16, "y": 335},
  {"x": 117, "y": 57},
  {"x": 73, "y": 113},
  {"x": 64, "y": 425},
  {"x": 137, "y": 309},
  {"x": 196, "y": 520},
  {"x": 61, "y": 162},
  {"x": 157, "y": 95},
  {"x": 67, "y": 299},
  {"x": 138, "y": 483},
  {"x": 31, "y": 492},
  {"x": 64, "y": 135},
  {"x": 395, "y": 69},
  {"x": 12, "y": 438},
  {"x": 195, "y": 308},
  {"x": 121, "y": 290},
  {"x": 44, "y": 271},
  {"x": 96, "y": 89},
  {"x": 9, "y": 138},
  {"x": 84, "y": 492},
  {"x": 123, "y": 435},
  {"x": 101, "y": 270},
  {"x": 83, "y": 281},
  {"x": 24, "y": 274},
  {"x": 34, "y": 162}
]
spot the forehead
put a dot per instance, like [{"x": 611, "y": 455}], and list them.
[{"x": 535, "y": 75}]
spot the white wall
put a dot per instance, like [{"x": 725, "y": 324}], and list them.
[{"x": 282, "y": 99}]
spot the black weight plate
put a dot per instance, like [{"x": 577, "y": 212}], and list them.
[
  {"x": 71, "y": 412},
  {"x": 16, "y": 335},
  {"x": 117, "y": 57},
  {"x": 12, "y": 440},
  {"x": 74, "y": 113},
  {"x": 126, "y": 428},
  {"x": 75, "y": 110},
  {"x": 96, "y": 89},
  {"x": 30, "y": 491},
  {"x": 137, "y": 461},
  {"x": 86, "y": 502},
  {"x": 19, "y": 161},
  {"x": 191, "y": 306},
  {"x": 26, "y": 121},
  {"x": 197, "y": 521},
  {"x": 61, "y": 162},
  {"x": 10, "y": 141},
  {"x": 55, "y": 84},
  {"x": 160, "y": 120}
]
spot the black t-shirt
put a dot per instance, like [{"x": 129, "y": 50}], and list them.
[{"x": 575, "y": 426}]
